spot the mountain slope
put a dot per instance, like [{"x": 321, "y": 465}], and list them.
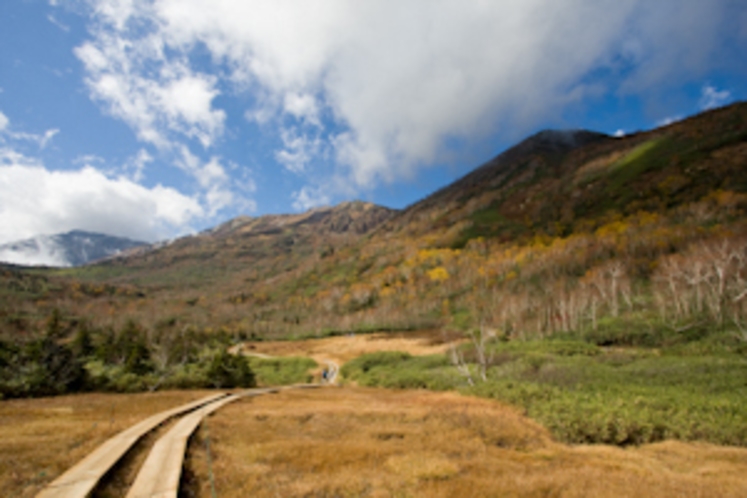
[
  {"x": 545, "y": 149},
  {"x": 553, "y": 234},
  {"x": 553, "y": 181},
  {"x": 73, "y": 248},
  {"x": 253, "y": 247}
]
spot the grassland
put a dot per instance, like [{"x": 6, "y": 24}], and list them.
[
  {"x": 374, "y": 442},
  {"x": 361, "y": 441},
  {"x": 587, "y": 394}
]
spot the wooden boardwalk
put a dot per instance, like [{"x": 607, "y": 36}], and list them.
[
  {"x": 80, "y": 480},
  {"x": 160, "y": 474}
]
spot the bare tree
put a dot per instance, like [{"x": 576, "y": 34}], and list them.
[{"x": 479, "y": 339}]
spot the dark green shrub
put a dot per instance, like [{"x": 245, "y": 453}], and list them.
[
  {"x": 41, "y": 367},
  {"x": 228, "y": 370}
]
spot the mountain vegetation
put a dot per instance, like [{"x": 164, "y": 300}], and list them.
[
  {"x": 566, "y": 231},
  {"x": 633, "y": 250}
]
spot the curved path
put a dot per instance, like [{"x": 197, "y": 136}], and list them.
[
  {"x": 160, "y": 474},
  {"x": 79, "y": 480}
]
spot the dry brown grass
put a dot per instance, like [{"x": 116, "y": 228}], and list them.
[
  {"x": 370, "y": 442},
  {"x": 41, "y": 438},
  {"x": 344, "y": 348}
]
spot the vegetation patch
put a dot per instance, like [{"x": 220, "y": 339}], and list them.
[
  {"x": 399, "y": 370},
  {"x": 282, "y": 371},
  {"x": 587, "y": 394}
]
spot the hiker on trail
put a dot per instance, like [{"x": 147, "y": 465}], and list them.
[{"x": 324, "y": 375}]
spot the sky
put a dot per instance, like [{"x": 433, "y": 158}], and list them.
[{"x": 152, "y": 119}]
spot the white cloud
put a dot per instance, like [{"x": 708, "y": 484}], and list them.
[
  {"x": 668, "y": 120},
  {"x": 212, "y": 179},
  {"x": 309, "y": 197},
  {"x": 41, "y": 140},
  {"x": 302, "y": 107},
  {"x": 136, "y": 165},
  {"x": 89, "y": 159},
  {"x": 34, "y": 200},
  {"x": 159, "y": 98},
  {"x": 395, "y": 80},
  {"x": 44, "y": 252},
  {"x": 619, "y": 133},
  {"x": 47, "y": 137},
  {"x": 711, "y": 98},
  {"x": 57, "y": 23},
  {"x": 298, "y": 150}
]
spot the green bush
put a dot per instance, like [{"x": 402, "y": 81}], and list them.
[
  {"x": 395, "y": 369},
  {"x": 282, "y": 371},
  {"x": 228, "y": 370}
]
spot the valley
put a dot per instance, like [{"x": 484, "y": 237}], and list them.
[{"x": 568, "y": 319}]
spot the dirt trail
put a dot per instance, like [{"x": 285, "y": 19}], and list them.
[{"x": 341, "y": 349}]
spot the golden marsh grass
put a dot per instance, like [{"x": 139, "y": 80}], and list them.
[
  {"x": 41, "y": 438},
  {"x": 373, "y": 442}
]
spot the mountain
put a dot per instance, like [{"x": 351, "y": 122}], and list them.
[
  {"x": 263, "y": 246},
  {"x": 73, "y": 248},
  {"x": 556, "y": 182},
  {"x": 558, "y": 232}
]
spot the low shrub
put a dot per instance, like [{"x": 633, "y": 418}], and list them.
[
  {"x": 587, "y": 394},
  {"x": 399, "y": 370},
  {"x": 282, "y": 371}
]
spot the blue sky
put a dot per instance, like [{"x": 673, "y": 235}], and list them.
[{"x": 156, "y": 118}]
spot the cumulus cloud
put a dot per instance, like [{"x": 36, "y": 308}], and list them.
[
  {"x": 389, "y": 81},
  {"x": 711, "y": 98},
  {"x": 159, "y": 97},
  {"x": 35, "y": 200},
  {"x": 4, "y": 121},
  {"x": 302, "y": 106}
]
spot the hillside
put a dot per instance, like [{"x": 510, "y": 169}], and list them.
[
  {"x": 531, "y": 242},
  {"x": 265, "y": 246}
]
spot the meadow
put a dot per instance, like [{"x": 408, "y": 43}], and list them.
[
  {"x": 586, "y": 393},
  {"x": 376, "y": 442}
]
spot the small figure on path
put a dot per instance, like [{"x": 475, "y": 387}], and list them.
[{"x": 324, "y": 376}]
